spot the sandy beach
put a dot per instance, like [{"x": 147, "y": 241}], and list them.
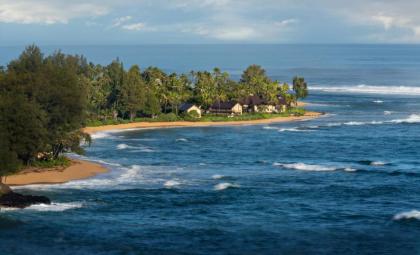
[
  {"x": 83, "y": 169},
  {"x": 79, "y": 169},
  {"x": 92, "y": 130}
]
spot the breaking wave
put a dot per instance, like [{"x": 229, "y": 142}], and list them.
[
  {"x": 100, "y": 135},
  {"x": 413, "y": 118},
  {"x": 414, "y": 214},
  {"x": 368, "y": 89},
  {"x": 225, "y": 185},
  {"x": 294, "y": 129},
  {"x": 306, "y": 167},
  {"x": 122, "y": 146},
  {"x": 53, "y": 207},
  {"x": 372, "y": 163},
  {"x": 217, "y": 177},
  {"x": 378, "y": 163},
  {"x": 171, "y": 183}
]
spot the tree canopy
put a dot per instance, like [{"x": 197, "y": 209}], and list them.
[{"x": 46, "y": 100}]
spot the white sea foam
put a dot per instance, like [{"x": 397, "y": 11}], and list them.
[
  {"x": 349, "y": 169},
  {"x": 368, "y": 89},
  {"x": 171, "y": 183},
  {"x": 131, "y": 173},
  {"x": 269, "y": 128},
  {"x": 53, "y": 207},
  {"x": 413, "y": 118},
  {"x": 182, "y": 140},
  {"x": 100, "y": 135},
  {"x": 122, "y": 146},
  {"x": 292, "y": 130},
  {"x": 377, "y": 163},
  {"x": 217, "y": 177},
  {"x": 388, "y": 112},
  {"x": 414, "y": 214},
  {"x": 378, "y": 102},
  {"x": 306, "y": 167},
  {"x": 225, "y": 185}
]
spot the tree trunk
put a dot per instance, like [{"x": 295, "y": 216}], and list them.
[
  {"x": 132, "y": 116},
  {"x": 4, "y": 189},
  {"x": 115, "y": 114}
]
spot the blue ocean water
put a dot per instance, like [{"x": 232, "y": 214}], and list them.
[{"x": 345, "y": 183}]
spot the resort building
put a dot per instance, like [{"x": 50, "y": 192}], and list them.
[
  {"x": 257, "y": 104},
  {"x": 281, "y": 104},
  {"x": 188, "y": 107},
  {"x": 229, "y": 107},
  {"x": 292, "y": 93}
]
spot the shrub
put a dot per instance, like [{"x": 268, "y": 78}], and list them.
[{"x": 194, "y": 114}]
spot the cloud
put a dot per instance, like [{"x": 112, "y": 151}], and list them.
[
  {"x": 273, "y": 21},
  {"x": 232, "y": 33},
  {"x": 135, "y": 26},
  {"x": 286, "y": 22},
  {"x": 121, "y": 20},
  {"x": 47, "y": 11}
]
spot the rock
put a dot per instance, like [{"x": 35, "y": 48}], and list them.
[
  {"x": 4, "y": 189},
  {"x": 16, "y": 200}
]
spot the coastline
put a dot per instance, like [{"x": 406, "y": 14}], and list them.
[
  {"x": 82, "y": 169},
  {"x": 78, "y": 170},
  {"x": 92, "y": 130}
]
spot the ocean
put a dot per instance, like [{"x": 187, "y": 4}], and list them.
[{"x": 345, "y": 183}]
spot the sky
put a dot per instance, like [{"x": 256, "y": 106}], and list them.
[{"x": 133, "y": 22}]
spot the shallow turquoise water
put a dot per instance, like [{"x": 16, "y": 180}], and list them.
[{"x": 346, "y": 183}]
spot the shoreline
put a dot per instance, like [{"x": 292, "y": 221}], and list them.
[
  {"x": 78, "y": 170},
  {"x": 135, "y": 125},
  {"x": 83, "y": 169}
]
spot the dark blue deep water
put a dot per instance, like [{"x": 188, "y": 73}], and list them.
[{"x": 346, "y": 183}]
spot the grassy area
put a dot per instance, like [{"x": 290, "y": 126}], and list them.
[
  {"x": 170, "y": 117},
  {"x": 59, "y": 162}
]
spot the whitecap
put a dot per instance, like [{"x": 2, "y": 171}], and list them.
[
  {"x": 349, "y": 169},
  {"x": 378, "y": 102},
  {"x": 100, "y": 135},
  {"x": 53, "y": 207},
  {"x": 368, "y": 89},
  {"x": 225, "y": 185},
  {"x": 377, "y": 163},
  {"x": 306, "y": 167},
  {"x": 122, "y": 146},
  {"x": 217, "y": 177},
  {"x": 292, "y": 130},
  {"x": 414, "y": 214},
  {"x": 182, "y": 140},
  {"x": 131, "y": 173},
  {"x": 269, "y": 128},
  {"x": 388, "y": 112},
  {"x": 171, "y": 183},
  {"x": 413, "y": 118}
]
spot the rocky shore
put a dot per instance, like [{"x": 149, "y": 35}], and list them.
[{"x": 11, "y": 199}]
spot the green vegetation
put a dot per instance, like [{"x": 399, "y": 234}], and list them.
[
  {"x": 61, "y": 161},
  {"x": 45, "y": 101},
  {"x": 42, "y": 108}
]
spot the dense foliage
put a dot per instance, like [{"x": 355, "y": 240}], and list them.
[
  {"x": 44, "y": 101},
  {"x": 42, "y": 108}
]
